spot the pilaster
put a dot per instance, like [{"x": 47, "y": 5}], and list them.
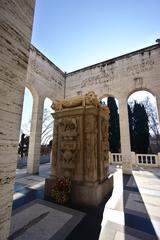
[
  {"x": 125, "y": 137},
  {"x": 15, "y": 34},
  {"x": 35, "y": 136}
]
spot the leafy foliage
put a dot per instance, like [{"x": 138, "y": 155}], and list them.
[
  {"x": 131, "y": 128},
  {"x": 63, "y": 184},
  {"x": 153, "y": 118},
  {"x": 114, "y": 129},
  {"x": 62, "y": 189},
  {"x": 139, "y": 128},
  {"x": 23, "y": 145}
]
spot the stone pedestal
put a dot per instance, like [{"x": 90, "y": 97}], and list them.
[{"x": 80, "y": 151}]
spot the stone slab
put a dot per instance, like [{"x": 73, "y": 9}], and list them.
[{"x": 43, "y": 220}]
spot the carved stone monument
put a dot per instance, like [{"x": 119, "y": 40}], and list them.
[{"x": 80, "y": 148}]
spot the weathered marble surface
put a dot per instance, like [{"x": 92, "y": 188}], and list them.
[
  {"x": 132, "y": 212},
  {"x": 44, "y": 79},
  {"x": 16, "y": 18},
  {"x": 80, "y": 147}
]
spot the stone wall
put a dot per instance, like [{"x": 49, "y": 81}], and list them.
[
  {"x": 15, "y": 33},
  {"x": 44, "y": 77},
  {"x": 120, "y": 76}
]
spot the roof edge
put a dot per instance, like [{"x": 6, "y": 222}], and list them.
[{"x": 112, "y": 60}]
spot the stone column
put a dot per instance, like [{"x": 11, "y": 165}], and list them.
[
  {"x": 15, "y": 33},
  {"x": 158, "y": 159},
  {"x": 125, "y": 137},
  {"x": 158, "y": 106},
  {"x": 35, "y": 136}
]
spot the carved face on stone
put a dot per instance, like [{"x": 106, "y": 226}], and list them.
[
  {"x": 91, "y": 95},
  {"x": 91, "y": 98}
]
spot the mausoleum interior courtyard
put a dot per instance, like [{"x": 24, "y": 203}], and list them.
[{"x": 117, "y": 195}]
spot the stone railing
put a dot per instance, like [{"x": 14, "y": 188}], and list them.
[
  {"x": 148, "y": 160},
  {"x": 115, "y": 158}
]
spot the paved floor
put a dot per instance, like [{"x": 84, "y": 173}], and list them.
[
  {"x": 43, "y": 220},
  {"x": 29, "y": 188},
  {"x": 132, "y": 212}
]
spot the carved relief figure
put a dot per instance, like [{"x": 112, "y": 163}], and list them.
[
  {"x": 90, "y": 146},
  {"x": 104, "y": 147},
  {"x": 76, "y": 142},
  {"x": 55, "y": 144},
  {"x": 68, "y": 133},
  {"x": 89, "y": 98},
  {"x": 104, "y": 130}
]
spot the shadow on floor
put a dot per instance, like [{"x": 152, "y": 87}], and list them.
[
  {"x": 28, "y": 195},
  {"x": 90, "y": 226},
  {"x": 135, "y": 212}
]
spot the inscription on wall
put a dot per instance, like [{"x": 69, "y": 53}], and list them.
[
  {"x": 99, "y": 79},
  {"x": 106, "y": 78},
  {"x": 142, "y": 67}
]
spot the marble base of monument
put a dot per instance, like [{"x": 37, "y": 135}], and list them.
[{"x": 91, "y": 194}]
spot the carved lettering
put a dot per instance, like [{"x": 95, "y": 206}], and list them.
[
  {"x": 99, "y": 79},
  {"x": 142, "y": 67}
]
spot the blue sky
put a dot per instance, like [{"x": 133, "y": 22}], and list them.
[{"x": 77, "y": 33}]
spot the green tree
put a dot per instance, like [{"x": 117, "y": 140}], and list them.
[
  {"x": 23, "y": 145},
  {"x": 131, "y": 128},
  {"x": 140, "y": 128},
  {"x": 153, "y": 119},
  {"x": 114, "y": 130}
]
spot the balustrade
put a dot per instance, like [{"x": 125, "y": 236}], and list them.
[{"x": 148, "y": 160}]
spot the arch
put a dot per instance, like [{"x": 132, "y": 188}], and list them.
[
  {"x": 32, "y": 89},
  {"x": 27, "y": 106},
  {"x": 150, "y": 106},
  {"x": 47, "y": 131},
  {"x": 106, "y": 95},
  {"x": 141, "y": 89},
  {"x": 47, "y": 124},
  {"x": 114, "y": 124},
  {"x": 24, "y": 134}
]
